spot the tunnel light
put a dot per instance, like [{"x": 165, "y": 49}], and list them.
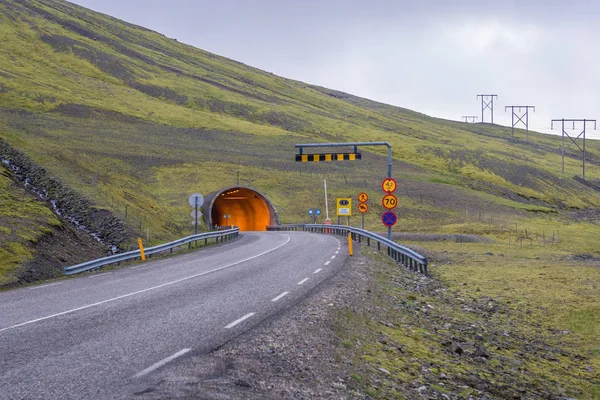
[{"x": 230, "y": 192}]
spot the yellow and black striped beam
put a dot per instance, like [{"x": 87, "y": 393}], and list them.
[{"x": 328, "y": 157}]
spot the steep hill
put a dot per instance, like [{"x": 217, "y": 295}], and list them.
[{"x": 134, "y": 122}]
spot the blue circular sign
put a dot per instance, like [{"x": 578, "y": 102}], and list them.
[
  {"x": 318, "y": 212},
  {"x": 389, "y": 218}
]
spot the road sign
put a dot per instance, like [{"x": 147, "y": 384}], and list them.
[
  {"x": 328, "y": 157},
  {"x": 343, "y": 207},
  {"x": 389, "y": 201},
  {"x": 389, "y": 185},
  {"x": 310, "y": 211},
  {"x": 363, "y": 207},
  {"x": 389, "y": 218},
  {"x": 318, "y": 211},
  {"x": 196, "y": 200},
  {"x": 193, "y": 214},
  {"x": 363, "y": 197}
]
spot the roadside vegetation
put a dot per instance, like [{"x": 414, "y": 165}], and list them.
[
  {"x": 515, "y": 324},
  {"x": 23, "y": 221}
]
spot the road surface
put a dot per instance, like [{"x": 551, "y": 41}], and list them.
[{"x": 98, "y": 334}]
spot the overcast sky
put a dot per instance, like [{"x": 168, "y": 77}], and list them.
[{"x": 430, "y": 56}]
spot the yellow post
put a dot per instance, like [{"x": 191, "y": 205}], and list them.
[
  {"x": 141, "y": 249},
  {"x": 350, "y": 243}
]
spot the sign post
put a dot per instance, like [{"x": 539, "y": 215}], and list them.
[
  {"x": 196, "y": 200},
  {"x": 363, "y": 207}
]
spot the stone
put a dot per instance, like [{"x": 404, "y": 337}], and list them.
[
  {"x": 243, "y": 383},
  {"x": 456, "y": 348},
  {"x": 385, "y": 371}
]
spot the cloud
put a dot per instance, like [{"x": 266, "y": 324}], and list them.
[{"x": 478, "y": 39}]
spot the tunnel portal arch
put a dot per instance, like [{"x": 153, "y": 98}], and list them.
[{"x": 248, "y": 208}]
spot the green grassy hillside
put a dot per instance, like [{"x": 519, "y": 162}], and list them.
[{"x": 136, "y": 122}]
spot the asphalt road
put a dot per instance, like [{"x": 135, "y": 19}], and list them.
[{"x": 100, "y": 334}]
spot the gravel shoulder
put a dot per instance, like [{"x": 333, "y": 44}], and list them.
[{"x": 293, "y": 355}]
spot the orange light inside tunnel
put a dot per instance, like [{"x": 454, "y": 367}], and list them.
[{"x": 248, "y": 210}]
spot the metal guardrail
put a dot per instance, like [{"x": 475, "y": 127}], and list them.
[
  {"x": 402, "y": 254},
  {"x": 131, "y": 255}
]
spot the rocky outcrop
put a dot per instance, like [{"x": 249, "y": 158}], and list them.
[{"x": 69, "y": 205}]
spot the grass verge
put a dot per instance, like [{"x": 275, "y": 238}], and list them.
[{"x": 484, "y": 325}]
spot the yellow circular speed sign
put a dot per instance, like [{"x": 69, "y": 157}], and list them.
[
  {"x": 388, "y": 185},
  {"x": 363, "y": 207},
  {"x": 389, "y": 201}
]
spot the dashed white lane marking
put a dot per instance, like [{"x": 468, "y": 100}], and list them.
[
  {"x": 337, "y": 252},
  {"x": 144, "y": 290},
  {"x": 237, "y": 321},
  {"x": 332, "y": 257},
  {"x": 161, "y": 363},
  {"x": 317, "y": 271},
  {"x": 327, "y": 263},
  {"x": 97, "y": 275},
  {"x": 302, "y": 281},
  {"x": 280, "y": 296},
  {"x": 45, "y": 286}
]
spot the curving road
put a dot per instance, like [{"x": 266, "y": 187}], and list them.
[{"x": 96, "y": 335}]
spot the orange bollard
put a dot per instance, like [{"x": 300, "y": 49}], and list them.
[
  {"x": 141, "y": 249},
  {"x": 350, "y": 244}
]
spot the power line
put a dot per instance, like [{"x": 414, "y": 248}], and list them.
[
  {"x": 466, "y": 118},
  {"x": 485, "y": 104},
  {"x": 520, "y": 118},
  {"x": 573, "y": 140}
]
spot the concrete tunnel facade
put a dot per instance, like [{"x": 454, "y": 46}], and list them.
[{"x": 248, "y": 208}]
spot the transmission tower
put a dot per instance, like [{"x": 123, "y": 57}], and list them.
[
  {"x": 487, "y": 101},
  {"x": 573, "y": 140},
  {"x": 473, "y": 118},
  {"x": 520, "y": 117}
]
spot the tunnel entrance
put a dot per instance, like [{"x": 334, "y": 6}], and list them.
[{"x": 240, "y": 206}]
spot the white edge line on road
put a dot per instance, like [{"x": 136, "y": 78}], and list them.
[
  {"x": 327, "y": 263},
  {"x": 280, "y": 296},
  {"x": 161, "y": 363},
  {"x": 45, "y": 286},
  {"x": 302, "y": 281},
  {"x": 237, "y": 321},
  {"x": 317, "y": 271},
  {"x": 96, "y": 275},
  {"x": 145, "y": 290}
]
